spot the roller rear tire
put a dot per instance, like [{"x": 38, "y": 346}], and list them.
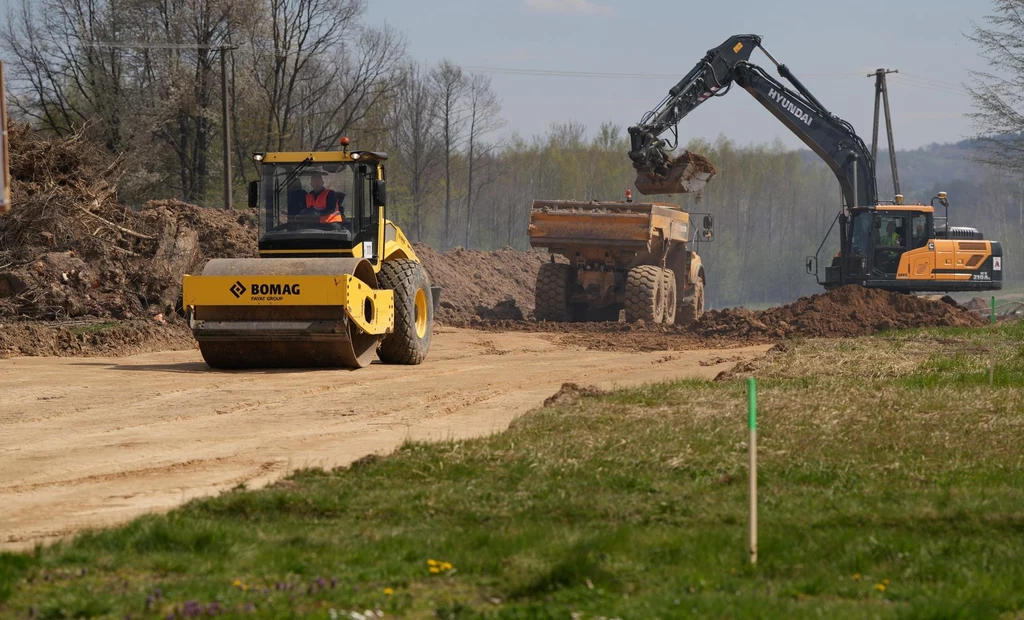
[{"x": 414, "y": 312}]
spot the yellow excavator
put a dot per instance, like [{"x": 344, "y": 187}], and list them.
[
  {"x": 884, "y": 244},
  {"x": 336, "y": 282}
]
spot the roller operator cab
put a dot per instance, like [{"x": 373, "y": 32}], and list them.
[
  {"x": 907, "y": 248},
  {"x": 329, "y": 203}
]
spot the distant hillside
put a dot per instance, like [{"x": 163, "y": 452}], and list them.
[{"x": 933, "y": 168}]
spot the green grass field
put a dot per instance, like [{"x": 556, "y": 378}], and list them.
[{"x": 892, "y": 485}]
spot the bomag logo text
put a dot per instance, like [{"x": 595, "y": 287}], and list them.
[
  {"x": 790, "y": 107},
  {"x": 274, "y": 289},
  {"x": 272, "y": 292}
]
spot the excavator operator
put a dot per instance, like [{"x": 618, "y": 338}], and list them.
[{"x": 891, "y": 238}]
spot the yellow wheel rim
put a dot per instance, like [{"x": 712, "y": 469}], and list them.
[{"x": 421, "y": 313}]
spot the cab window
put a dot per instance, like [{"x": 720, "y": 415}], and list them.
[
  {"x": 919, "y": 227},
  {"x": 861, "y": 226},
  {"x": 891, "y": 231}
]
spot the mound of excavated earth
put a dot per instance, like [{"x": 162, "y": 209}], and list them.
[
  {"x": 477, "y": 284},
  {"x": 847, "y": 311}
]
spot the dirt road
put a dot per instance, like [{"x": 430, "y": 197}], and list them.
[{"x": 86, "y": 442}]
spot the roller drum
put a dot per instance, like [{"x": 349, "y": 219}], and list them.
[{"x": 237, "y": 337}]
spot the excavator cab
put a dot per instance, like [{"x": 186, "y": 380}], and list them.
[{"x": 906, "y": 248}]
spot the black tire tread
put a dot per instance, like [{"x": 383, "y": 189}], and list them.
[
  {"x": 551, "y": 296},
  {"x": 403, "y": 346},
  {"x": 671, "y": 297},
  {"x": 642, "y": 284},
  {"x": 693, "y": 309}
]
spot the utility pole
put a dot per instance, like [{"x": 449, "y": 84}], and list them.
[
  {"x": 5, "y": 165},
  {"x": 225, "y": 119},
  {"x": 225, "y": 127},
  {"x": 882, "y": 96}
]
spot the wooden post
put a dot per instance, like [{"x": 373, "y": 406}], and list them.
[
  {"x": 752, "y": 423},
  {"x": 992, "y": 345}
]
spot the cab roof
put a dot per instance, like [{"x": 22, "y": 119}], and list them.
[
  {"x": 917, "y": 208},
  {"x": 294, "y": 157}
]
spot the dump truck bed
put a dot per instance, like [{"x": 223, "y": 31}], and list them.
[{"x": 558, "y": 224}]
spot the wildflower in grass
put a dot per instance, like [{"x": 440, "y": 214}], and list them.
[
  {"x": 432, "y": 562},
  {"x": 880, "y": 587},
  {"x": 434, "y": 570},
  {"x": 856, "y": 576},
  {"x": 388, "y": 591},
  {"x": 885, "y": 581},
  {"x": 446, "y": 566},
  {"x": 237, "y": 583}
]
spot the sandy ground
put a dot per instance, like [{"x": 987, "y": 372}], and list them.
[{"x": 93, "y": 442}]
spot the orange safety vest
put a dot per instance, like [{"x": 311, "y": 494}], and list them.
[{"x": 319, "y": 202}]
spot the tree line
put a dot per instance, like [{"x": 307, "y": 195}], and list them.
[{"x": 142, "y": 79}]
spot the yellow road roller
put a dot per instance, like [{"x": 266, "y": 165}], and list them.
[{"x": 336, "y": 283}]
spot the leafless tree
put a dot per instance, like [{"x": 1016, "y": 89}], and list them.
[
  {"x": 367, "y": 74},
  {"x": 450, "y": 85},
  {"x": 483, "y": 110},
  {"x": 58, "y": 76},
  {"x": 999, "y": 94},
  {"x": 186, "y": 82},
  {"x": 414, "y": 140},
  {"x": 294, "y": 53}
]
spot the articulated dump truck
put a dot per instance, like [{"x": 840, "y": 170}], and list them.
[{"x": 635, "y": 257}]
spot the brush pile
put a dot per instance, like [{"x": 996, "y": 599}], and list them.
[{"x": 70, "y": 250}]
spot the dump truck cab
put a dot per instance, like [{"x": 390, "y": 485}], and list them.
[
  {"x": 296, "y": 220},
  {"x": 907, "y": 248}
]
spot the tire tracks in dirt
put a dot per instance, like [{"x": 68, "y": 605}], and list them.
[{"x": 93, "y": 442}]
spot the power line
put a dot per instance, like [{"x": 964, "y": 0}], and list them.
[
  {"x": 924, "y": 78},
  {"x": 161, "y": 46},
  {"x": 931, "y": 87},
  {"x": 610, "y": 75}
]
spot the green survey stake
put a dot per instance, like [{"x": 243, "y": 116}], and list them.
[{"x": 752, "y": 393}]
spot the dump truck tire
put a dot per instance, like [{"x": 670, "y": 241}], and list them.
[
  {"x": 693, "y": 309},
  {"x": 551, "y": 297},
  {"x": 671, "y": 297},
  {"x": 414, "y": 312},
  {"x": 645, "y": 291}
]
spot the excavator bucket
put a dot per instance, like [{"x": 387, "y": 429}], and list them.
[{"x": 687, "y": 173}]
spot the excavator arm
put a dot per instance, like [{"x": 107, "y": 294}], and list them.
[{"x": 831, "y": 138}]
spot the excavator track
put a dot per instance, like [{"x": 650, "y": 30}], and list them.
[{"x": 277, "y": 336}]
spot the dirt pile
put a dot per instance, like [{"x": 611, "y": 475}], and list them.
[
  {"x": 844, "y": 312},
  {"x": 483, "y": 285},
  {"x": 24, "y": 338},
  {"x": 69, "y": 249},
  {"x": 569, "y": 393}
]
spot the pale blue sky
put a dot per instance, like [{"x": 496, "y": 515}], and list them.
[{"x": 922, "y": 38}]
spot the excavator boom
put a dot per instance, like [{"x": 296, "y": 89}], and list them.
[{"x": 830, "y": 137}]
